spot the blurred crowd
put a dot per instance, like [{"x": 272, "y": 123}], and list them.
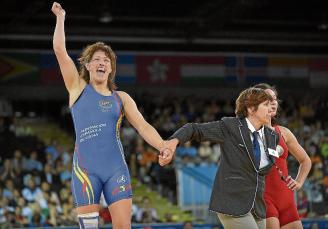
[{"x": 35, "y": 177}]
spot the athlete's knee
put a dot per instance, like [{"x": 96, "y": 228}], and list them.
[{"x": 89, "y": 220}]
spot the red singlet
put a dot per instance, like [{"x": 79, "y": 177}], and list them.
[{"x": 279, "y": 199}]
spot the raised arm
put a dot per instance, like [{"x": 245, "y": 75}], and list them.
[
  {"x": 136, "y": 119},
  {"x": 301, "y": 156},
  {"x": 66, "y": 64}
]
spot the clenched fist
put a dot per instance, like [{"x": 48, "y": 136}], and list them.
[{"x": 58, "y": 10}]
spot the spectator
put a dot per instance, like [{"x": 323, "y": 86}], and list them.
[
  {"x": 7, "y": 171},
  {"x": 33, "y": 162},
  {"x": 26, "y": 210},
  {"x": 187, "y": 225},
  {"x": 49, "y": 176},
  {"x": 21, "y": 220},
  {"x": 52, "y": 149},
  {"x": 216, "y": 153},
  {"x": 147, "y": 214},
  {"x": 147, "y": 158},
  {"x": 18, "y": 160},
  {"x": 302, "y": 204},
  {"x": 31, "y": 191},
  {"x": 205, "y": 151},
  {"x": 186, "y": 150},
  {"x": 8, "y": 191}
]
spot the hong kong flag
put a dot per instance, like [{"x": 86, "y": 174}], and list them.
[{"x": 158, "y": 70}]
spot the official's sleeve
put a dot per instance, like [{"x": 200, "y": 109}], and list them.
[{"x": 211, "y": 131}]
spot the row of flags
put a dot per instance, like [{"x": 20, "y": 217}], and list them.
[{"x": 179, "y": 69}]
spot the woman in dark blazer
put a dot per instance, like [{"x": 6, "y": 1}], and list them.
[{"x": 248, "y": 152}]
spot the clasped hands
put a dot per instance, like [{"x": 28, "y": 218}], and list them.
[{"x": 167, "y": 151}]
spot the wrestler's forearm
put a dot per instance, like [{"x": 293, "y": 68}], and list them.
[
  {"x": 303, "y": 171},
  {"x": 59, "y": 35},
  {"x": 151, "y": 136}
]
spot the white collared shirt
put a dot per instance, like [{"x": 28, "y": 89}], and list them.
[{"x": 260, "y": 138}]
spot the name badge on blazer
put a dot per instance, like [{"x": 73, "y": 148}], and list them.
[{"x": 273, "y": 152}]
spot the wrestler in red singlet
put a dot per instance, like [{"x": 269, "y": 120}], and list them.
[
  {"x": 280, "y": 187},
  {"x": 279, "y": 199}
]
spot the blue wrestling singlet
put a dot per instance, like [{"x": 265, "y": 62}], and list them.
[{"x": 98, "y": 162}]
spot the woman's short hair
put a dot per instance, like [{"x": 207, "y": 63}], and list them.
[{"x": 250, "y": 97}]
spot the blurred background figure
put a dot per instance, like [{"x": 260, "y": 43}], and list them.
[{"x": 147, "y": 213}]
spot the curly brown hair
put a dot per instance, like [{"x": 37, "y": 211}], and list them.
[
  {"x": 86, "y": 56},
  {"x": 250, "y": 97}
]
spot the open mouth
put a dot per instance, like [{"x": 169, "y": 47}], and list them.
[{"x": 101, "y": 70}]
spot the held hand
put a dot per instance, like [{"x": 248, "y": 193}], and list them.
[
  {"x": 58, "y": 10},
  {"x": 165, "y": 157},
  {"x": 171, "y": 144},
  {"x": 167, "y": 152},
  {"x": 293, "y": 184}
]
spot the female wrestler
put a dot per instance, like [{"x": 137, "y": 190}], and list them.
[
  {"x": 281, "y": 211},
  {"x": 97, "y": 110}
]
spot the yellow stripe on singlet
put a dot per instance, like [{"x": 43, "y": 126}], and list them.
[{"x": 79, "y": 176}]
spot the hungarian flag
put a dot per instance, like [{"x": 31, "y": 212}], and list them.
[{"x": 202, "y": 70}]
